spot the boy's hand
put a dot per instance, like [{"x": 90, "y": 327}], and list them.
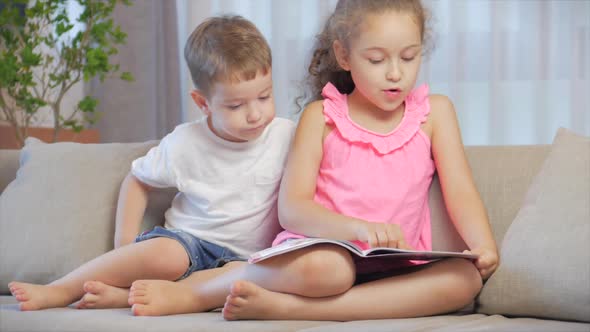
[
  {"x": 486, "y": 262},
  {"x": 381, "y": 235}
]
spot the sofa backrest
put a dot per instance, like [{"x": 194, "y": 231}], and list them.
[{"x": 502, "y": 175}]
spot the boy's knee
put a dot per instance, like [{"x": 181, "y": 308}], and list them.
[{"x": 167, "y": 258}]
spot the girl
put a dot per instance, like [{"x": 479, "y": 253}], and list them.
[{"x": 360, "y": 168}]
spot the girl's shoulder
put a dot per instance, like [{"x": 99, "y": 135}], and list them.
[
  {"x": 439, "y": 101},
  {"x": 436, "y": 108},
  {"x": 313, "y": 114},
  {"x": 442, "y": 113},
  {"x": 440, "y": 106},
  {"x": 316, "y": 106},
  {"x": 312, "y": 122}
]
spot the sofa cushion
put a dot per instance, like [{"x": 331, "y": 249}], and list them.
[
  {"x": 502, "y": 175},
  {"x": 59, "y": 211},
  {"x": 115, "y": 320},
  {"x": 545, "y": 256}
]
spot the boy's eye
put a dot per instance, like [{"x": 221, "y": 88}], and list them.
[
  {"x": 234, "y": 107},
  {"x": 375, "y": 61},
  {"x": 408, "y": 58},
  {"x": 264, "y": 97}
]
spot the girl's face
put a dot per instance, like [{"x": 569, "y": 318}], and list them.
[{"x": 384, "y": 58}]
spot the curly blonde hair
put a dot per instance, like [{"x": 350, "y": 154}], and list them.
[{"x": 343, "y": 25}]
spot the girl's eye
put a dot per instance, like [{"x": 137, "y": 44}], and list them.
[
  {"x": 408, "y": 59},
  {"x": 234, "y": 107},
  {"x": 375, "y": 61},
  {"x": 264, "y": 97}
]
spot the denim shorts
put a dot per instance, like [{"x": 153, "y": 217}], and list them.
[{"x": 203, "y": 255}]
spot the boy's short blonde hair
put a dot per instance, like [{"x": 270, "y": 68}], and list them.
[{"x": 226, "y": 49}]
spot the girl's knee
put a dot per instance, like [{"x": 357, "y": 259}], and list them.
[
  {"x": 328, "y": 271},
  {"x": 467, "y": 280}
]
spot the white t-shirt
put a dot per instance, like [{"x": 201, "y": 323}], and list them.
[{"x": 227, "y": 190}]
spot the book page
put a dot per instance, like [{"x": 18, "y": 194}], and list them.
[{"x": 295, "y": 244}]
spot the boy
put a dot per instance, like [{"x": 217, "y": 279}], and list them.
[{"x": 227, "y": 168}]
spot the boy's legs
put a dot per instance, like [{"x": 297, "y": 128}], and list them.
[
  {"x": 440, "y": 287},
  {"x": 149, "y": 297},
  {"x": 312, "y": 272},
  {"x": 158, "y": 258},
  {"x": 162, "y": 297}
]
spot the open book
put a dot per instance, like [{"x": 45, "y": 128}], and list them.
[{"x": 295, "y": 244}]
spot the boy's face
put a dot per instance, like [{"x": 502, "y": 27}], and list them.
[{"x": 239, "y": 111}]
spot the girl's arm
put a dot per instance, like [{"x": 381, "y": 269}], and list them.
[
  {"x": 463, "y": 202},
  {"x": 299, "y": 213},
  {"x": 133, "y": 197}
]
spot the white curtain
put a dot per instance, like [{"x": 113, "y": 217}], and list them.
[{"x": 516, "y": 70}]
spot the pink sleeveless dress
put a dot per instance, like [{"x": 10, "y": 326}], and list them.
[{"x": 377, "y": 177}]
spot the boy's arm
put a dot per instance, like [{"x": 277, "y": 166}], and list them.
[
  {"x": 461, "y": 197},
  {"x": 133, "y": 198}
]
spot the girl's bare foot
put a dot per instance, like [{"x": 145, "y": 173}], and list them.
[
  {"x": 100, "y": 296},
  {"x": 37, "y": 297},
  {"x": 250, "y": 301},
  {"x": 162, "y": 297}
]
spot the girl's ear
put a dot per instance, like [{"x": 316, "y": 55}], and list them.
[
  {"x": 341, "y": 55},
  {"x": 201, "y": 101}
]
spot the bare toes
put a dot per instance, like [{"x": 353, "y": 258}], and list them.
[
  {"x": 21, "y": 297},
  {"x": 88, "y": 301},
  {"x": 137, "y": 299},
  {"x": 18, "y": 292},
  {"x": 85, "y": 305},
  {"x": 90, "y": 287},
  {"x": 140, "y": 310},
  {"x": 228, "y": 315},
  {"x": 236, "y": 301},
  {"x": 139, "y": 285}
]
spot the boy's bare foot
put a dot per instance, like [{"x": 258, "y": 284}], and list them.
[
  {"x": 37, "y": 297},
  {"x": 162, "y": 297},
  {"x": 250, "y": 301},
  {"x": 100, "y": 296}
]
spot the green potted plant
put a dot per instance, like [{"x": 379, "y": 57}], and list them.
[{"x": 44, "y": 53}]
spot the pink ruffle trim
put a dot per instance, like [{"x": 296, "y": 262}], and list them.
[{"x": 336, "y": 112}]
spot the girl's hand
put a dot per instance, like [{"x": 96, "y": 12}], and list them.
[
  {"x": 486, "y": 262},
  {"x": 381, "y": 235}
]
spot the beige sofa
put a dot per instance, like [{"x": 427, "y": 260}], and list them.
[{"x": 58, "y": 212}]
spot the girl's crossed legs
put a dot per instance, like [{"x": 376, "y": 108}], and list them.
[{"x": 440, "y": 287}]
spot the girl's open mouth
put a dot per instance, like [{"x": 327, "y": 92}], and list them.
[{"x": 392, "y": 93}]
